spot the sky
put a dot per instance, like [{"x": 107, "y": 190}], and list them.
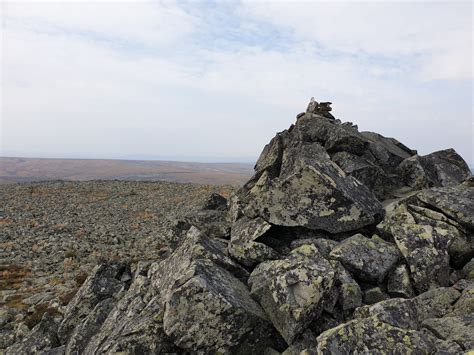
[{"x": 215, "y": 80}]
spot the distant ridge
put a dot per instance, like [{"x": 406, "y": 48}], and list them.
[{"x": 13, "y": 169}]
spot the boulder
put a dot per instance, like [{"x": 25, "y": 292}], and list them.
[
  {"x": 458, "y": 329},
  {"x": 317, "y": 197},
  {"x": 369, "y": 259},
  {"x": 442, "y": 168},
  {"x": 213, "y": 223},
  {"x": 292, "y": 291},
  {"x": 398, "y": 312},
  {"x": 107, "y": 280},
  {"x": 215, "y": 202},
  {"x": 399, "y": 284},
  {"x": 243, "y": 245},
  {"x": 135, "y": 325},
  {"x": 42, "y": 337},
  {"x": 373, "y": 295},
  {"x": 370, "y": 335},
  {"x": 435, "y": 303}
]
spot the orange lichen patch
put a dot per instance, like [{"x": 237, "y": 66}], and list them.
[
  {"x": 65, "y": 298},
  {"x": 40, "y": 310},
  {"x": 12, "y": 276},
  {"x": 60, "y": 227},
  {"x": 144, "y": 215},
  {"x": 5, "y": 222},
  {"x": 16, "y": 301},
  {"x": 7, "y": 245}
]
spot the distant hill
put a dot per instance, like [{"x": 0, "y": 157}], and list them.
[{"x": 33, "y": 169}]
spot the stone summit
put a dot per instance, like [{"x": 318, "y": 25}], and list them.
[{"x": 342, "y": 242}]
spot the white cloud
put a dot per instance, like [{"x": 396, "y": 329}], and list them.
[{"x": 118, "y": 79}]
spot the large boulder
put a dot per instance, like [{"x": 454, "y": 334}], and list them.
[
  {"x": 373, "y": 336},
  {"x": 317, "y": 197},
  {"x": 108, "y": 280},
  {"x": 369, "y": 259},
  {"x": 135, "y": 324},
  {"x": 205, "y": 307},
  {"x": 292, "y": 291},
  {"x": 442, "y": 168},
  {"x": 458, "y": 329}
]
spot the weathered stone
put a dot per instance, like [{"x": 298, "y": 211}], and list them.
[
  {"x": 373, "y": 295},
  {"x": 399, "y": 312},
  {"x": 425, "y": 250},
  {"x": 104, "y": 282},
  {"x": 349, "y": 292},
  {"x": 135, "y": 325},
  {"x": 210, "y": 310},
  {"x": 442, "y": 168},
  {"x": 243, "y": 245},
  {"x": 456, "y": 202},
  {"x": 458, "y": 329},
  {"x": 369, "y": 259},
  {"x": 42, "y": 337},
  {"x": 88, "y": 327},
  {"x": 302, "y": 344},
  {"x": 435, "y": 303},
  {"x": 465, "y": 304},
  {"x": 399, "y": 284},
  {"x": 292, "y": 290},
  {"x": 373, "y": 336},
  {"x": 213, "y": 223},
  {"x": 215, "y": 202}
]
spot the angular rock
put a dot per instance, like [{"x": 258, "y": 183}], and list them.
[
  {"x": 442, "y": 168},
  {"x": 399, "y": 284},
  {"x": 435, "y": 303},
  {"x": 89, "y": 327},
  {"x": 243, "y": 245},
  {"x": 315, "y": 197},
  {"x": 210, "y": 310},
  {"x": 215, "y": 202},
  {"x": 107, "y": 280},
  {"x": 135, "y": 325},
  {"x": 43, "y": 337},
  {"x": 457, "y": 329},
  {"x": 373, "y": 295},
  {"x": 349, "y": 292},
  {"x": 369, "y": 259},
  {"x": 292, "y": 291},
  {"x": 398, "y": 312},
  {"x": 213, "y": 223},
  {"x": 425, "y": 250},
  {"x": 465, "y": 304},
  {"x": 206, "y": 308},
  {"x": 371, "y": 336}
]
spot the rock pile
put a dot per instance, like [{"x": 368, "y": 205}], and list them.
[{"x": 342, "y": 242}]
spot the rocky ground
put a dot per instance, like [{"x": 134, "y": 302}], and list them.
[
  {"x": 343, "y": 242},
  {"x": 52, "y": 234}
]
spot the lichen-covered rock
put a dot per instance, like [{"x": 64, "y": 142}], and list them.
[
  {"x": 206, "y": 308},
  {"x": 215, "y": 202},
  {"x": 243, "y": 245},
  {"x": 107, "y": 280},
  {"x": 349, "y": 295},
  {"x": 373, "y": 295},
  {"x": 465, "y": 304},
  {"x": 135, "y": 325},
  {"x": 442, "y": 168},
  {"x": 435, "y": 303},
  {"x": 89, "y": 327},
  {"x": 369, "y": 259},
  {"x": 399, "y": 312},
  {"x": 458, "y": 329},
  {"x": 209, "y": 310},
  {"x": 425, "y": 250},
  {"x": 399, "y": 284},
  {"x": 372, "y": 336},
  {"x": 43, "y": 337},
  {"x": 456, "y": 202},
  {"x": 315, "y": 197},
  {"x": 213, "y": 223},
  {"x": 292, "y": 291}
]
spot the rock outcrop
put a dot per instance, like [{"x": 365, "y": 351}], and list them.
[{"x": 342, "y": 242}]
